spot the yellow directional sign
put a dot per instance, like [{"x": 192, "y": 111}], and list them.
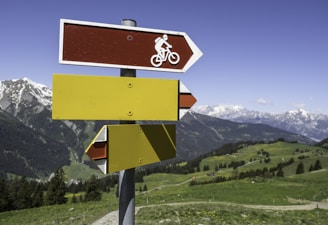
[
  {"x": 77, "y": 97},
  {"x": 124, "y": 146}
]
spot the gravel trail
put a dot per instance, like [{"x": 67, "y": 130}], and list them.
[{"x": 112, "y": 217}]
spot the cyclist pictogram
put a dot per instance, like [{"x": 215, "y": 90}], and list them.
[{"x": 163, "y": 52}]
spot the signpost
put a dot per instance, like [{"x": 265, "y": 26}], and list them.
[
  {"x": 126, "y": 98},
  {"x": 126, "y": 180},
  {"x": 150, "y": 144},
  {"x": 108, "y": 45}
]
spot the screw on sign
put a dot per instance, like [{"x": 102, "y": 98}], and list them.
[{"x": 108, "y": 45}]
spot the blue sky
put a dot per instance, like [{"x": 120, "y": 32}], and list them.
[{"x": 266, "y": 55}]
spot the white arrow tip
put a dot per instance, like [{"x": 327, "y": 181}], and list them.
[
  {"x": 102, "y": 135},
  {"x": 183, "y": 88}
]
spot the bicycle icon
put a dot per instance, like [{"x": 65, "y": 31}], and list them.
[{"x": 164, "y": 53}]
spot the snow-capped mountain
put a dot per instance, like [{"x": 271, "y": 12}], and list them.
[
  {"x": 31, "y": 144},
  {"x": 31, "y": 103},
  {"x": 298, "y": 121},
  {"x": 24, "y": 93}
]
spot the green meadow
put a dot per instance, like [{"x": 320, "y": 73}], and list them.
[
  {"x": 218, "y": 214},
  {"x": 170, "y": 199},
  {"x": 70, "y": 213}
]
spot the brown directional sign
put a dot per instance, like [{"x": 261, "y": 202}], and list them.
[{"x": 108, "y": 45}]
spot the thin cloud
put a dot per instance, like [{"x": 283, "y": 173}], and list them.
[
  {"x": 262, "y": 101},
  {"x": 298, "y": 105}
]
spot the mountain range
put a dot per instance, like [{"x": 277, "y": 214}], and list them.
[
  {"x": 299, "y": 121},
  {"x": 34, "y": 145}
]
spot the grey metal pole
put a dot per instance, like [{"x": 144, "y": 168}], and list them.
[{"x": 127, "y": 177}]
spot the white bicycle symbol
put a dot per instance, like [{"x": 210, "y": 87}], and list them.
[
  {"x": 173, "y": 57},
  {"x": 163, "y": 54}
]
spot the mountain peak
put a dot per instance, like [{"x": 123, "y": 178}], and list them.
[
  {"x": 219, "y": 108},
  {"x": 299, "y": 112},
  {"x": 225, "y": 111},
  {"x": 15, "y": 92}
]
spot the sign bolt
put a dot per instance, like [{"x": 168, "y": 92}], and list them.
[{"x": 129, "y": 37}]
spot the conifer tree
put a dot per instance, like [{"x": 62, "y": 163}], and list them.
[
  {"x": 37, "y": 196},
  {"x": 12, "y": 194},
  {"x": 311, "y": 168},
  {"x": 92, "y": 189},
  {"x": 317, "y": 165},
  {"x": 20, "y": 194},
  {"x": 4, "y": 196},
  {"x": 300, "y": 168},
  {"x": 74, "y": 199},
  {"x": 24, "y": 194},
  {"x": 56, "y": 189},
  {"x": 280, "y": 173},
  {"x": 81, "y": 198}
]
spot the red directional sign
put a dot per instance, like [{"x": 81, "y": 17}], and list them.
[
  {"x": 186, "y": 100},
  {"x": 108, "y": 45}
]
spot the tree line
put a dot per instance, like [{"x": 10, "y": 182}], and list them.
[
  {"x": 264, "y": 173},
  {"x": 22, "y": 193}
]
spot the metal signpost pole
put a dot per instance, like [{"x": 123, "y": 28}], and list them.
[{"x": 127, "y": 177}]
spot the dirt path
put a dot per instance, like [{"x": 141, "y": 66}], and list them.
[{"x": 112, "y": 217}]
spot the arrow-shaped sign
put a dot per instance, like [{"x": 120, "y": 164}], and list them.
[
  {"x": 108, "y": 45},
  {"x": 77, "y": 97},
  {"x": 186, "y": 100},
  {"x": 146, "y": 144},
  {"x": 98, "y": 149}
]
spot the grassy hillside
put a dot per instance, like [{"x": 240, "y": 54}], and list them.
[
  {"x": 171, "y": 199},
  {"x": 279, "y": 152},
  {"x": 80, "y": 171},
  {"x": 275, "y": 191}
]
